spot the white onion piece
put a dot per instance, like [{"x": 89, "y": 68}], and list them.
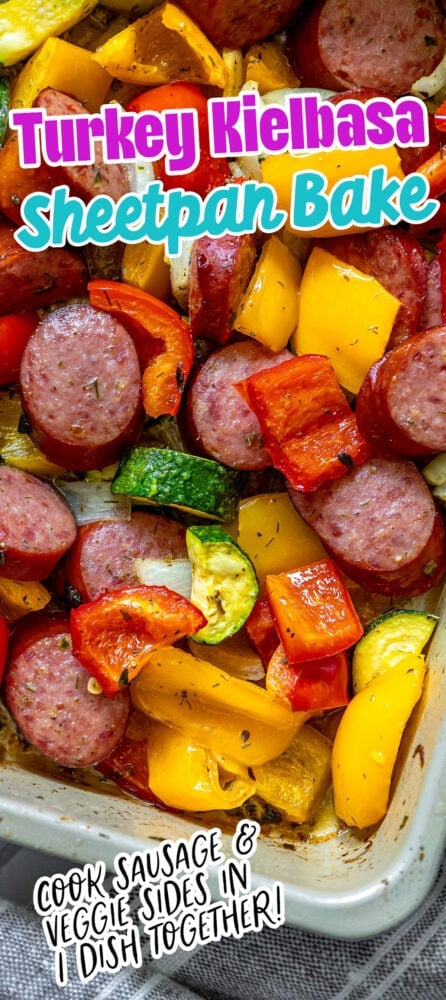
[
  {"x": 428, "y": 86},
  {"x": 179, "y": 274},
  {"x": 173, "y": 573},
  {"x": 94, "y": 501},
  {"x": 140, "y": 174},
  {"x": 278, "y": 96},
  {"x": 249, "y": 166}
]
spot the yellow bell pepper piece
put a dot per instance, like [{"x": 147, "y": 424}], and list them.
[
  {"x": 18, "y": 599},
  {"x": 186, "y": 776},
  {"x": 296, "y": 782},
  {"x": 367, "y": 741},
  {"x": 164, "y": 45},
  {"x": 344, "y": 314},
  {"x": 233, "y": 60},
  {"x": 65, "y": 67},
  {"x": 336, "y": 165},
  {"x": 267, "y": 65},
  {"x": 213, "y": 709},
  {"x": 144, "y": 265},
  {"x": 24, "y": 24},
  {"x": 18, "y": 449},
  {"x": 269, "y": 309},
  {"x": 274, "y": 536}
]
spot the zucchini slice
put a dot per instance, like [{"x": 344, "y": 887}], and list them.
[
  {"x": 387, "y": 641},
  {"x": 224, "y": 583},
  {"x": 174, "y": 479},
  {"x": 4, "y": 107}
]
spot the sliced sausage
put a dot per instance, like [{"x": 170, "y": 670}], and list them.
[
  {"x": 36, "y": 526},
  {"x": 396, "y": 259},
  {"x": 33, "y": 280},
  {"x": 90, "y": 179},
  {"x": 381, "y": 526},
  {"x": 81, "y": 387},
  {"x": 103, "y": 555},
  {"x": 220, "y": 423},
  {"x": 219, "y": 273},
  {"x": 401, "y": 406},
  {"x": 48, "y": 697},
  {"x": 362, "y": 43},
  {"x": 234, "y": 24},
  {"x": 432, "y": 311}
]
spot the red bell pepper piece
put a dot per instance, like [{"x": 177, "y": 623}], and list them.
[
  {"x": 307, "y": 425},
  {"x": 114, "y": 635},
  {"x": 313, "y": 611},
  {"x": 262, "y": 630},
  {"x": 162, "y": 339},
  {"x": 15, "y": 331},
  {"x": 434, "y": 169},
  {"x": 209, "y": 172},
  {"x": 319, "y": 685}
]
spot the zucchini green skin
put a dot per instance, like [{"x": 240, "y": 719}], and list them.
[
  {"x": 173, "y": 478},
  {"x": 4, "y": 107},
  {"x": 387, "y": 640},
  {"x": 224, "y": 583},
  {"x": 396, "y": 613}
]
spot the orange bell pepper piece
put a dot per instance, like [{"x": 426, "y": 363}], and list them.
[
  {"x": 162, "y": 339},
  {"x": 313, "y": 612}
]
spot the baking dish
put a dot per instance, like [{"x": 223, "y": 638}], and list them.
[{"x": 348, "y": 886}]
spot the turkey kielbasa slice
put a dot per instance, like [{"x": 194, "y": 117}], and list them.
[
  {"x": 219, "y": 422},
  {"x": 36, "y": 526},
  {"x": 34, "y": 280},
  {"x": 401, "y": 406},
  {"x": 387, "y": 46},
  {"x": 234, "y": 24},
  {"x": 81, "y": 387},
  {"x": 219, "y": 273},
  {"x": 381, "y": 526},
  {"x": 102, "y": 557},
  {"x": 48, "y": 697},
  {"x": 89, "y": 179}
]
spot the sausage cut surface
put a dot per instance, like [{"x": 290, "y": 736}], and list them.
[
  {"x": 381, "y": 525},
  {"x": 401, "y": 406},
  {"x": 47, "y": 695},
  {"x": 362, "y": 43},
  {"x": 221, "y": 424},
  {"x": 36, "y": 526},
  {"x": 102, "y": 557},
  {"x": 81, "y": 387}
]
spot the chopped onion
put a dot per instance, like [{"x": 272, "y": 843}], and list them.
[
  {"x": 94, "y": 501},
  {"x": 428, "y": 86},
  {"x": 173, "y": 573},
  {"x": 140, "y": 174},
  {"x": 179, "y": 274},
  {"x": 278, "y": 96}
]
